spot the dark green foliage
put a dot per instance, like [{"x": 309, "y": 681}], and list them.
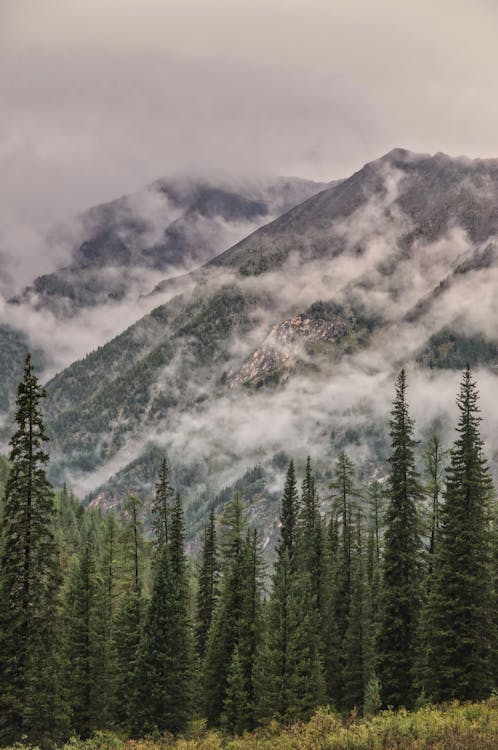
[
  {"x": 130, "y": 611},
  {"x": 357, "y": 643},
  {"x": 31, "y": 701},
  {"x": 85, "y": 664},
  {"x": 290, "y": 681},
  {"x": 237, "y": 618},
  {"x": 235, "y": 718},
  {"x": 458, "y": 629},
  {"x": 402, "y": 568},
  {"x": 208, "y": 584},
  {"x": 450, "y": 350},
  {"x": 162, "y": 506},
  {"x": 161, "y": 696},
  {"x": 289, "y": 514}
]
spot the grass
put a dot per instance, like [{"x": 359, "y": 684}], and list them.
[{"x": 471, "y": 726}]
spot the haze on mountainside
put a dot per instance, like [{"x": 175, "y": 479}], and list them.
[{"x": 290, "y": 329}]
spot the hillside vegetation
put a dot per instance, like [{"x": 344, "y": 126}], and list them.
[{"x": 454, "y": 727}]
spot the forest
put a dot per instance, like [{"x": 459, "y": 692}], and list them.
[{"x": 376, "y": 616}]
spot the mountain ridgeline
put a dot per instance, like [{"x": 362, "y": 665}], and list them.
[{"x": 294, "y": 326}]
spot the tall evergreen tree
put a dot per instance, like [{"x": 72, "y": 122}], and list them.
[
  {"x": 310, "y": 537},
  {"x": 458, "y": 629},
  {"x": 290, "y": 679},
  {"x": 225, "y": 628},
  {"x": 357, "y": 647},
  {"x": 235, "y": 717},
  {"x": 433, "y": 458},
  {"x": 84, "y": 620},
  {"x": 129, "y": 613},
  {"x": 345, "y": 496},
  {"x": 162, "y": 506},
  {"x": 162, "y": 692},
  {"x": 402, "y": 569},
  {"x": 208, "y": 584},
  {"x": 31, "y": 700},
  {"x": 289, "y": 513}
]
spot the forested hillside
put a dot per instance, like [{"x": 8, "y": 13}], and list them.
[{"x": 379, "y": 594}]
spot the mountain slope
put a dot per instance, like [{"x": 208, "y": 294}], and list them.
[
  {"x": 288, "y": 341},
  {"x": 169, "y": 226}
]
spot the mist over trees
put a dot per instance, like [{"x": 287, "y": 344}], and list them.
[{"x": 381, "y": 594}]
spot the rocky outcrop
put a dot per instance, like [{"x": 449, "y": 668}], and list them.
[{"x": 285, "y": 347}]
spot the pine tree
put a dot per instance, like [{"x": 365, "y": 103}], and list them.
[
  {"x": 357, "y": 656},
  {"x": 162, "y": 693},
  {"x": 31, "y": 698},
  {"x": 433, "y": 456},
  {"x": 310, "y": 534},
  {"x": 290, "y": 680},
  {"x": 402, "y": 569},
  {"x": 458, "y": 628},
  {"x": 235, "y": 718},
  {"x": 250, "y": 631},
  {"x": 162, "y": 506},
  {"x": 344, "y": 497},
  {"x": 289, "y": 513},
  {"x": 129, "y": 613},
  {"x": 85, "y": 688},
  {"x": 225, "y": 628},
  {"x": 208, "y": 585}
]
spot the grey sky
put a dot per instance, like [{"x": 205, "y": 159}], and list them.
[{"x": 98, "y": 97}]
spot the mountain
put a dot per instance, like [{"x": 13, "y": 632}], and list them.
[
  {"x": 170, "y": 226},
  {"x": 287, "y": 342}
]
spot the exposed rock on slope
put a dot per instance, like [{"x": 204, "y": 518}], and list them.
[{"x": 285, "y": 347}]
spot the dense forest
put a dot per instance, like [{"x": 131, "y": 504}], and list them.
[{"x": 379, "y": 596}]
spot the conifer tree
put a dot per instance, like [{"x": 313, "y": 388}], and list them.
[
  {"x": 458, "y": 628},
  {"x": 433, "y": 457},
  {"x": 162, "y": 506},
  {"x": 83, "y": 631},
  {"x": 357, "y": 649},
  {"x": 310, "y": 537},
  {"x": 235, "y": 718},
  {"x": 129, "y": 613},
  {"x": 162, "y": 694},
  {"x": 290, "y": 680},
  {"x": 250, "y": 632},
  {"x": 289, "y": 513},
  {"x": 208, "y": 584},
  {"x": 402, "y": 567},
  {"x": 344, "y": 497},
  {"x": 31, "y": 698},
  {"x": 225, "y": 628}
]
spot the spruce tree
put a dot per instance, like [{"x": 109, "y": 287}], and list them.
[
  {"x": 235, "y": 717},
  {"x": 402, "y": 567},
  {"x": 162, "y": 505},
  {"x": 225, "y": 627},
  {"x": 344, "y": 497},
  {"x": 162, "y": 693},
  {"x": 289, "y": 513},
  {"x": 357, "y": 649},
  {"x": 433, "y": 458},
  {"x": 310, "y": 533},
  {"x": 458, "y": 627},
  {"x": 130, "y": 609},
  {"x": 84, "y": 618},
  {"x": 290, "y": 679},
  {"x": 208, "y": 585},
  {"x": 31, "y": 698}
]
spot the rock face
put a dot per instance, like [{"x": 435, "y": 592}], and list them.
[{"x": 285, "y": 347}]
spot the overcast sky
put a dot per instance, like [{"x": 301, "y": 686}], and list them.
[{"x": 99, "y": 97}]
